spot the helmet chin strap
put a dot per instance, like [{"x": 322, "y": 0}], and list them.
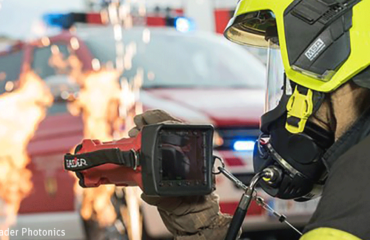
[
  {"x": 300, "y": 108},
  {"x": 303, "y": 104}
]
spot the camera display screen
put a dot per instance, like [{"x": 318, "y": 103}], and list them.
[{"x": 182, "y": 155}]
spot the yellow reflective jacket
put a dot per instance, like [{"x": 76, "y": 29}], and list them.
[{"x": 328, "y": 234}]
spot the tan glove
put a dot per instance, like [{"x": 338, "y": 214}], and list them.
[
  {"x": 151, "y": 117},
  {"x": 196, "y": 217}
]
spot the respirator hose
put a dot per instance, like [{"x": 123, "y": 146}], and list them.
[{"x": 244, "y": 204}]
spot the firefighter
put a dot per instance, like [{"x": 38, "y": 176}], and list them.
[{"x": 315, "y": 132}]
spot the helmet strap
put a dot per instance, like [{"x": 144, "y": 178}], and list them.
[{"x": 301, "y": 105}]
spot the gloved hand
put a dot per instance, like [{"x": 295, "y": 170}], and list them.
[
  {"x": 151, "y": 117},
  {"x": 196, "y": 217}
]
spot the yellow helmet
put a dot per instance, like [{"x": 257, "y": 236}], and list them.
[
  {"x": 324, "y": 43},
  {"x": 315, "y": 46}
]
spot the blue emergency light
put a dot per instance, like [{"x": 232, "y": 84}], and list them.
[
  {"x": 61, "y": 20},
  {"x": 244, "y": 145},
  {"x": 67, "y": 20},
  {"x": 183, "y": 24}
]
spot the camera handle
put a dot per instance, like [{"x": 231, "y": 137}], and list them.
[{"x": 247, "y": 197}]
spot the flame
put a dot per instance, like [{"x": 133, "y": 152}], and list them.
[
  {"x": 22, "y": 111},
  {"x": 98, "y": 103},
  {"x": 107, "y": 108}
]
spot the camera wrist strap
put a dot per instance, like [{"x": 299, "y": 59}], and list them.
[{"x": 83, "y": 161}]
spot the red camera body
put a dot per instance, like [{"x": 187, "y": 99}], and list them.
[{"x": 111, "y": 173}]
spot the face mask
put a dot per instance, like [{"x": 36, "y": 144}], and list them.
[{"x": 295, "y": 158}]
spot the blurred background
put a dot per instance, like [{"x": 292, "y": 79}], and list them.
[{"x": 77, "y": 69}]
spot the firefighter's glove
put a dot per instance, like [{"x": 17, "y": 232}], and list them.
[
  {"x": 195, "y": 218},
  {"x": 151, "y": 117}
]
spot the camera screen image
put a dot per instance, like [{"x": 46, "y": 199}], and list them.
[{"x": 183, "y": 155}]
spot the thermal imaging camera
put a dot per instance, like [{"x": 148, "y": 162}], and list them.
[{"x": 163, "y": 160}]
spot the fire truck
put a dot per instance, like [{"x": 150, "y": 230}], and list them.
[
  {"x": 198, "y": 77},
  {"x": 209, "y": 15}
]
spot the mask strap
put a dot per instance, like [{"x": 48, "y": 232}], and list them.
[{"x": 301, "y": 105}]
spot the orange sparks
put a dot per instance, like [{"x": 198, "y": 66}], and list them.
[
  {"x": 107, "y": 108},
  {"x": 98, "y": 103}
]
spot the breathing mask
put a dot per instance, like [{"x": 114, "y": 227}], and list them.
[{"x": 294, "y": 155}]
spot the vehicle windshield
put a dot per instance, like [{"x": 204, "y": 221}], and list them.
[{"x": 177, "y": 60}]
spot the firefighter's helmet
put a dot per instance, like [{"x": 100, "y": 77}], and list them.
[{"x": 324, "y": 43}]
